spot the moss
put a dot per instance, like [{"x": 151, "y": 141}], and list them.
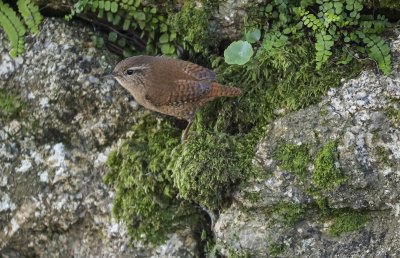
[
  {"x": 144, "y": 194},
  {"x": 383, "y": 156},
  {"x": 206, "y": 168},
  {"x": 11, "y": 105},
  {"x": 253, "y": 197},
  {"x": 393, "y": 113},
  {"x": 192, "y": 24},
  {"x": 239, "y": 254},
  {"x": 285, "y": 81},
  {"x": 151, "y": 169},
  {"x": 323, "y": 112},
  {"x": 294, "y": 158},
  {"x": 346, "y": 222},
  {"x": 326, "y": 175},
  {"x": 275, "y": 249},
  {"x": 290, "y": 213},
  {"x": 323, "y": 206}
]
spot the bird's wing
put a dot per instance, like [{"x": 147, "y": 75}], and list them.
[
  {"x": 184, "y": 91},
  {"x": 198, "y": 72}
]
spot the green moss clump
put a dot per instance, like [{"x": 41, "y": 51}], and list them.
[
  {"x": 393, "y": 114},
  {"x": 144, "y": 194},
  {"x": 290, "y": 213},
  {"x": 383, "y": 155},
  {"x": 11, "y": 105},
  {"x": 192, "y": 25},
  {"x": 326, "y": 176},
  {"x": 206, "y": 168},
  {"x": 346, "y": 222},
  {"x": 276, "y": 249},
  {"x": 239, "y": 254},
  {"x": 286, "y": 81},
  {"x": 294, "y": 158}
]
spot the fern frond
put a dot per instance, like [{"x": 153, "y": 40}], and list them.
[
  {"x": 14, "y": 29},
  {"x": 311, "y": 21},
  {"x": 30, "y": 13},
  {"x": 78, "y": 8},
  {"x": 323, "y": 46},
  {"x": 379, "y": 50}
]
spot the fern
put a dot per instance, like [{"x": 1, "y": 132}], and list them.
[
  {"x": 323, "y": 46},
  {"x": 341, "y": 22},
  {"x": 127, "y": 16},
  {"x": 311, "y": 21},
  {"x": 379, "y": 51},
  {"x": 14, "y": 29},
  {"x": 30, "y": 13}
]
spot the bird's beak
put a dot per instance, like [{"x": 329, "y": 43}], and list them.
[{"x": 111, "y": 75}]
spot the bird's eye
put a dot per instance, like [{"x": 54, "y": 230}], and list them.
[{"x": 129, "y": 72}]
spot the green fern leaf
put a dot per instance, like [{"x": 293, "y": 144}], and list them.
[
  {"x": 379, "y": 50},
  {"x": 31, "y": 15},
  {"x": 312, "y": 22},
  {"x": 14, "y": 29},
  {"x": 79, "y": 7},
  {"x": 323, "y": 46}
]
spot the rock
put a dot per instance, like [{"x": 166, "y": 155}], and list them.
[
  {"x": 228, "y": 18},
  {"x": 350, "y": 210},
  {"x": 53, "y": 202},
  {"x": 56, "y": 7}
]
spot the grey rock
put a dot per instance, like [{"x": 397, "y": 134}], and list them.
[
  {"x": 228, "y": 18},
  {"x": 53, "y": 202},
  {"x": 368, "y": 154}
]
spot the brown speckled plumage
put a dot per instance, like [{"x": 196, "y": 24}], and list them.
[{"x": 170, "y": 86}]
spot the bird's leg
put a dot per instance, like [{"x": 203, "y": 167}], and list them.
[{"x": 185, "y": 132}]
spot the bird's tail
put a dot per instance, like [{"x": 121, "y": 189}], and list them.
[{"x": 218, "y": 90}]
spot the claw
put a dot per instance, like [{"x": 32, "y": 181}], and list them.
[{"x": 185, "y": 132}]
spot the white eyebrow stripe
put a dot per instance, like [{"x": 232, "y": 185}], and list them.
[{"x": 142, "y": 67}]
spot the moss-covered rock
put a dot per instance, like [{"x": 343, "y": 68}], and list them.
[
  {"x": 333, "y": 173},
  {"x": 145, "y": 196},
  {"x": 206, "y": 168}
]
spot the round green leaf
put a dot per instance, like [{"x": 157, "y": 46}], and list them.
[
  {"x": 164, "y": 38},
  {"x": 126, "y": 25},
  {"x": 114, "y": 7},
  {"x": 253, "y": 35},
  {"x": 122, "y": 42},
  {"x": 238, "y": 52},
  {"x": 140, "y": 16},
  {"x": 167, "y": 49},
  {"x": 107, "y": 5},
  {"x": 112, "y": 36}
]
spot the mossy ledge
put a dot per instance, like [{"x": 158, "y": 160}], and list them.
[{"x": 218, "y": 154}]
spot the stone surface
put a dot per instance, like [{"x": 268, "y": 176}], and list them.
[
  {"x": 53, "y": 202},
  {"x": 229, "y": 16},
  {"x": 357, "y": 116}
]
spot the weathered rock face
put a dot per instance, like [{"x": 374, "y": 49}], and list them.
[
  {"x": 52, "y": 151},
  {"x": 360, "y": 121},
  {"x": 230, "y": 15}
]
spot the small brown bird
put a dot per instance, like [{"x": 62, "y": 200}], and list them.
[{"x": 170, "y": 86}]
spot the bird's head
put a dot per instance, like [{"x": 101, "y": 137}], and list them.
[{"x": 130, "y": 72}]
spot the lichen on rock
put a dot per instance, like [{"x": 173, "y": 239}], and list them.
[
  {"x": 347, "y": 184},
  {"x": 59, "y": 119}
]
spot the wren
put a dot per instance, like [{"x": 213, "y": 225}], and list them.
[{"x": 170, "y": 86}]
